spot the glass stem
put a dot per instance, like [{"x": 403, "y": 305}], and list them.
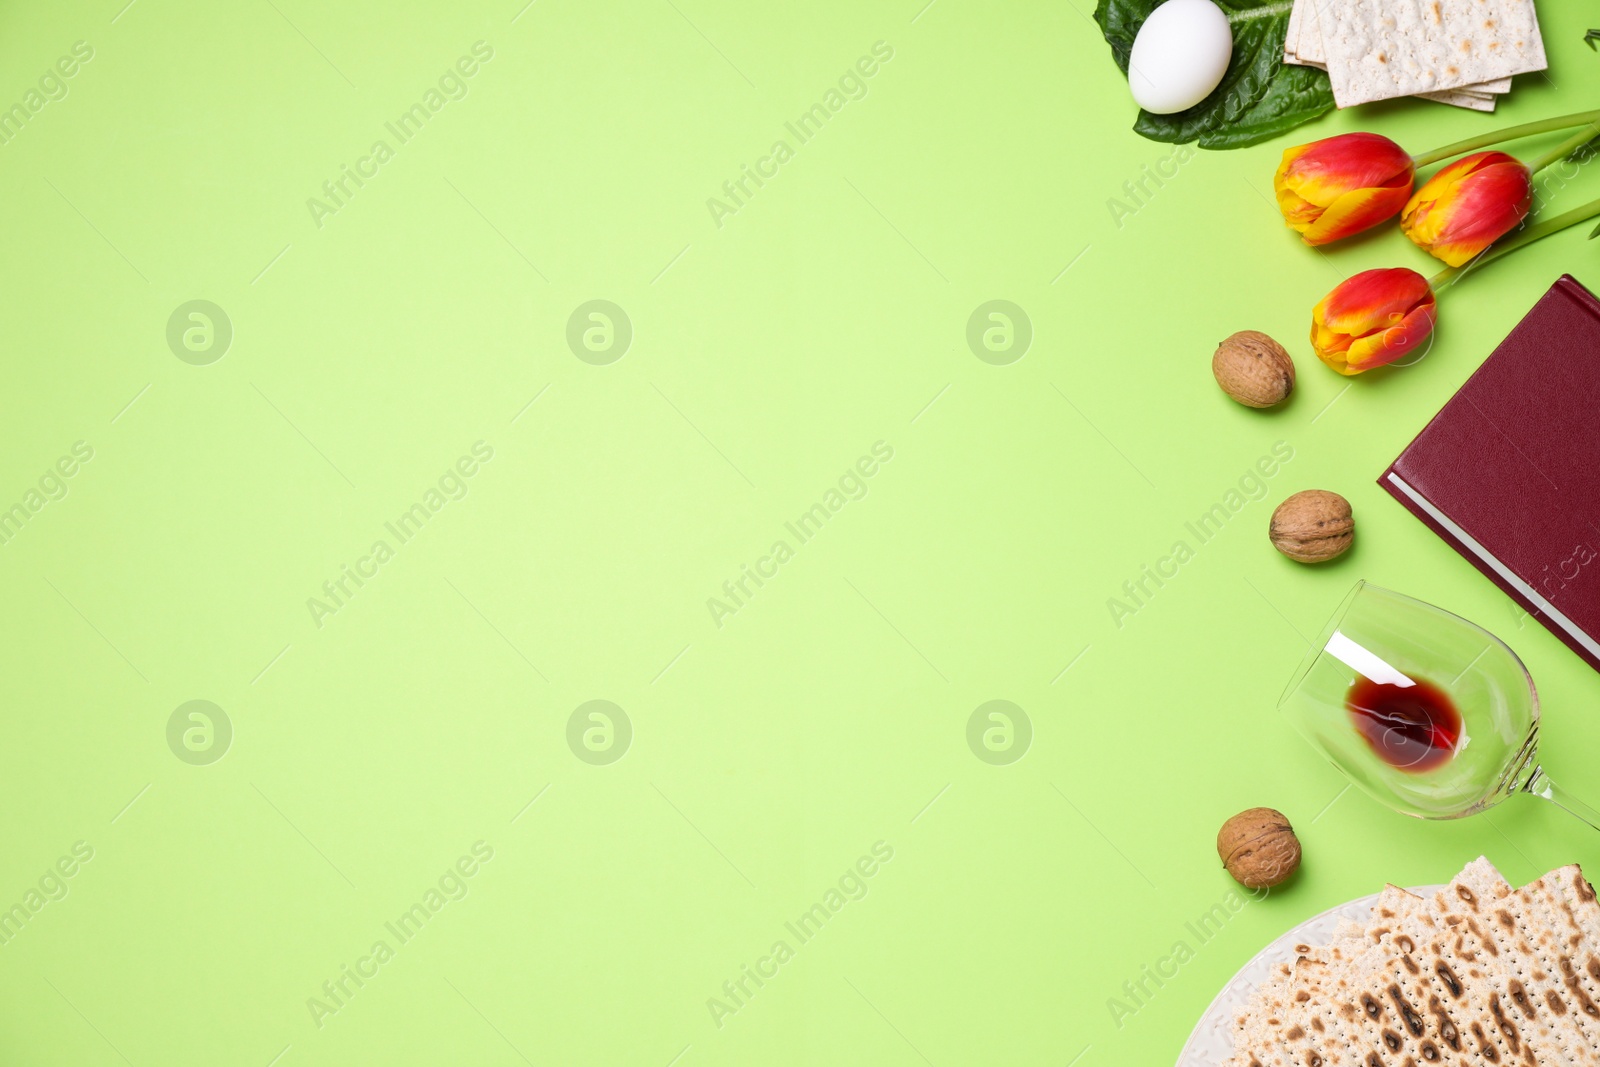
[{"x": 1540, "y": 785}]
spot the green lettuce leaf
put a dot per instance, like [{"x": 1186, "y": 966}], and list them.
[{"x": 1259, "y": 97}]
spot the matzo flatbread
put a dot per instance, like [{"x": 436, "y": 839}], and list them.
[
  {"x": 1460, "y": 98},
  {"x": 1308, "y": 42},
  {"x": 1478, "y": 974},
  {"x": 1304, "y": 41},
  {"x": 1570, "y": 950},
  {"x": 1522, "y": 1027},
  {"x": 1290, "y": 1031},
  {"x": 1292, "y": 35},
  {"x": 1421, "y": 994},
  {"x": 1255, "y": 1042},
  {"x": 1375, "y": 997},
  {"x": 1381, "y": 49},
  {"x": 1364, "y": 1002}
]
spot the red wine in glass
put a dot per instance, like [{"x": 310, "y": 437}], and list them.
[
  {"x": 1412, "y": 727},
  {"x": 1367, "y": 696}
]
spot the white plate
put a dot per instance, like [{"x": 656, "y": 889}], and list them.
[{"x": 1211, "y": 1043}]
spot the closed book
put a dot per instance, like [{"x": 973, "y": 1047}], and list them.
[{"x": 1508, "y": 472}]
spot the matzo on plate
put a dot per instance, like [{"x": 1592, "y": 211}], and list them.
[{"x": 1478, "y": 973}]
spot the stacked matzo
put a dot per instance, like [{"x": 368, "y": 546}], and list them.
[
  {"x": 1479, "y": 974},
  {"x": 1460, "y": 52}
]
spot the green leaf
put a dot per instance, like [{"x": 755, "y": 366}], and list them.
[
  {"x": 1120, "y": 20},
  {"x": 1259, "y": 96},
  {"x": 1298, "y": 95}
]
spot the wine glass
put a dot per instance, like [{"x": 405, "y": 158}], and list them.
[{"x": 1425, "y": 711}]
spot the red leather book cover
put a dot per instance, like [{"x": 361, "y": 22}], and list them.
[{"x": 1508, "y": 472}]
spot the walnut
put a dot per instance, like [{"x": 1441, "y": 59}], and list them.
[
  {"x": 1313, "y": 526},
  {"x": 1258, "y": 847},
  {"x": 1253, "y": 369}
]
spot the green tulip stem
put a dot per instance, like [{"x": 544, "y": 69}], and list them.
[
  {"x": 1450, "y": 275},
  {"x": 1566, "y": 148},
  {"x": 1527, "y": 129}
]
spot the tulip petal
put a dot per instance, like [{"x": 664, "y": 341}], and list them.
[
  {"x": 1468, "y": 206},
  {"x": 1386, "y": 346},
  {"x": 1298, "y": 213},
  {"x": 1372, "y": 300},
  {"x": 1360, "y": 178},
  {"x": 1448, "y": 176},
  {"x": 1337, "y": 363},
  {"x": 1372, "y": 319},
  {"x": 1329, "y": 168},
  {"x": 1485, "y": 209},
  {"x": 1355, "y": 211},
  {"x": 1330, "y": 347},
  {"x": 1326, "y": 340},
  {"x": 1292, "y": 154}
]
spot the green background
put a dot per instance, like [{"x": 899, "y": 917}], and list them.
[{"x": 768, "y": 354}]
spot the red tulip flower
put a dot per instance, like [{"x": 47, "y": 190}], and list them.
[
  {"x": 1341, "y": 185},
  {"x": 1468, "y": 206},
  {"x": 1372, "y": 319}
]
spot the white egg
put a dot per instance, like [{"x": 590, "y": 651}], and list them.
[{"x": 1179, "y": 55}]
